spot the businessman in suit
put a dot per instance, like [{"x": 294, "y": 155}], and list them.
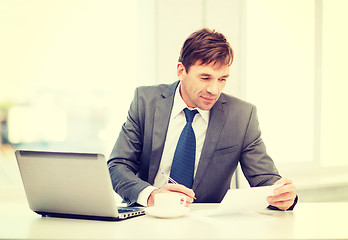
[{"x": 193, "y": 132}]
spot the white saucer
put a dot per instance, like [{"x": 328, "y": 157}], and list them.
[{"x": 166, "y": 213}]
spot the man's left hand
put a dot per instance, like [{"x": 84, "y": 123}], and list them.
[{"x": 284, "y": 196}]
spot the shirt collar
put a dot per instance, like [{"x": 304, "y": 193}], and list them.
[{"x": 179, "y": 105}]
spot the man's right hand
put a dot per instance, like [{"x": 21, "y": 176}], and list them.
[{"x": 169, "y": 187}]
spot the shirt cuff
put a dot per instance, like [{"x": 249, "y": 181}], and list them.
[{"x": 144, "y": 195}]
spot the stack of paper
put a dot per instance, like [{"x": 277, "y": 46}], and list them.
[{"x": 241, "y": 200}]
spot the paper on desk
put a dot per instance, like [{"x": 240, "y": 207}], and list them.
[{"x": 241, "y": 200}]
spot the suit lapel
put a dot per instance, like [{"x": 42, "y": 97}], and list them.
[
  {"x": 217, "y": 120},
  {"x": 160, "y": 127}
]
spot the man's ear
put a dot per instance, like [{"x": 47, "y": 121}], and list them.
[{"x": 180, "y": 71}]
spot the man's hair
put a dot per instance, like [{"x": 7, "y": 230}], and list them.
[{"x": 206, "y": 46}]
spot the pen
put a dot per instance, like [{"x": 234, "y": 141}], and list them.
[{"x": 173, "y": 181}]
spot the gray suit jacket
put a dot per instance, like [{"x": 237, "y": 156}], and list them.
[{"x": 233, "y": 136}]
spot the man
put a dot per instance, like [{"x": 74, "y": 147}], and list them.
[{"x": 193, "y": 132}]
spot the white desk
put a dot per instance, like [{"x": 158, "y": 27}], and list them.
[{"x": 307, "y": 221}]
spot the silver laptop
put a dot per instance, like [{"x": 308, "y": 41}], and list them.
[{"x": 73, "y": 185}]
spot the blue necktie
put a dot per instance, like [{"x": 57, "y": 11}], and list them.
[{"x": 185, "y": 153}]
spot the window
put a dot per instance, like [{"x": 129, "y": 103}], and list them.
[
  {"x": 280, "y": 75},
  {"x": 69, "y": 72},
  {"x": 296, "y": 75},
  {"x": 334, "y": 117}
]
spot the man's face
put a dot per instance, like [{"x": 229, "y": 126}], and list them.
[{"x": 201, "y": 86}]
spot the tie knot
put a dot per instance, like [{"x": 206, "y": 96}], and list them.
[{"x": 190, "y": 114}]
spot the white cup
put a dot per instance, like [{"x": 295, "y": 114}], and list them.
[{"x": 169, "y": 201}]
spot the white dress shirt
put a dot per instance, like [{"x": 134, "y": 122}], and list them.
[{"x": 176, "y": 124}]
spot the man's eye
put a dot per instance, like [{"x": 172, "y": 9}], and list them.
[
  {"x": 205, "y": 78},
  {"x": 222, "y": 79}
]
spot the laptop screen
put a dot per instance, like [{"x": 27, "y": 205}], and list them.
[{"x": 67, "y": 183}]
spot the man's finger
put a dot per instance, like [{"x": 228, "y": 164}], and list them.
[{"x": 285, "y": 189}]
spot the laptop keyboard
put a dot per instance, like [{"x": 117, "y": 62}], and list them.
[{"x": 128, "y": 209}]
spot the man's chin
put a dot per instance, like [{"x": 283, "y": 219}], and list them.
[{"x": 206, "y": 106}]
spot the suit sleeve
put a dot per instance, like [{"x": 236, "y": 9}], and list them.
[
  {"x": 256, "y": 164},
  {"x": 124, "y": 161}
]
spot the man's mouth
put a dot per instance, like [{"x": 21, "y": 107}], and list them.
[{"x": 208, "y": 99}]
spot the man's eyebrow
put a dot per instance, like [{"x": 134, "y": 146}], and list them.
[
  {"x": 208, "y": 75},
  {"x": 204, "y": 74}
]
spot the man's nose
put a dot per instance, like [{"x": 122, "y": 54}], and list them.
[{"x": 213, "y": 88}]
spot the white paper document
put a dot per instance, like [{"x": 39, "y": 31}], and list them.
[{"x": 241, "y": 200}]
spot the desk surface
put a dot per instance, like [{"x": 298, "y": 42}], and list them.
[{"x": 307, "y": 221}]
